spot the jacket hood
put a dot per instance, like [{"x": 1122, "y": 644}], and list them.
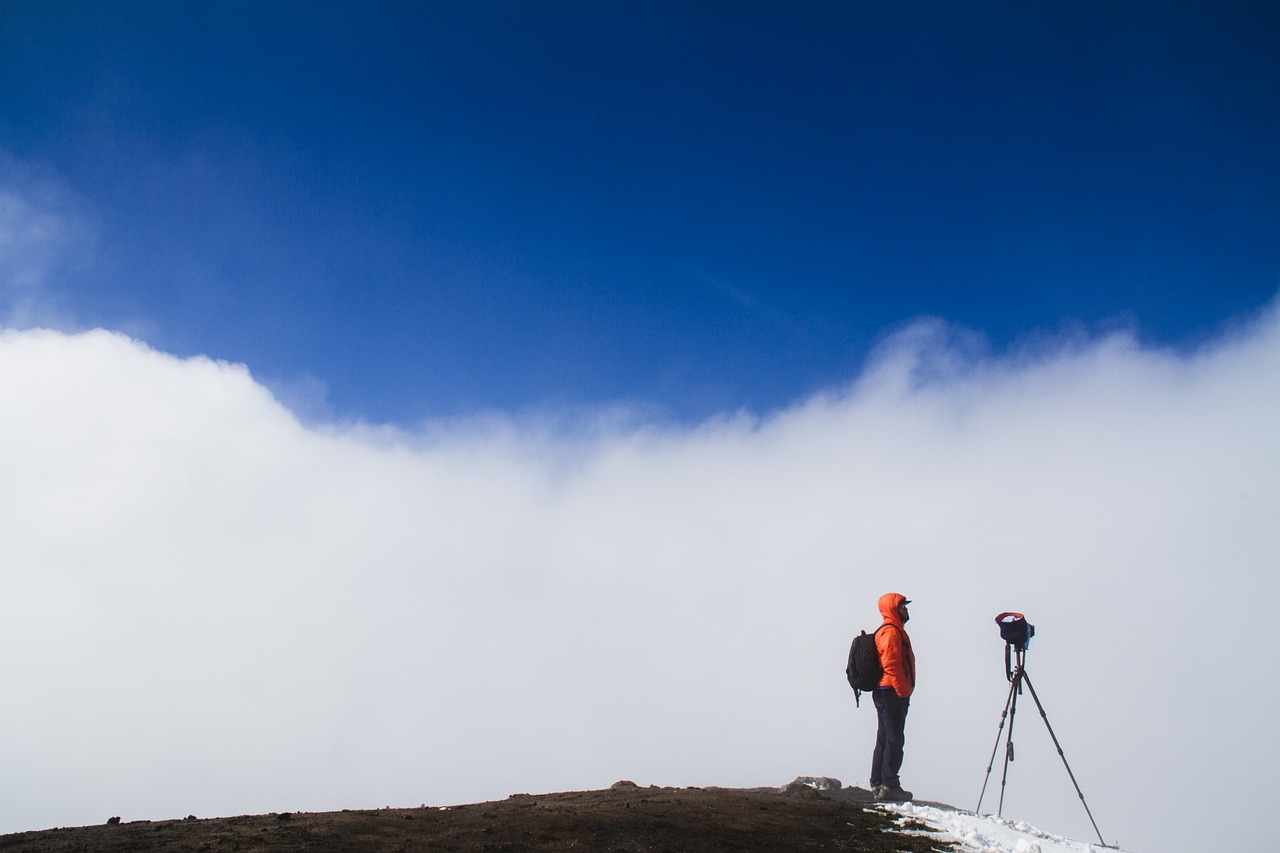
[{"x": 889, "y": 604}]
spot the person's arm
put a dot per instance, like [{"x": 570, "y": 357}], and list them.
[{"x": 889, "y": 645}]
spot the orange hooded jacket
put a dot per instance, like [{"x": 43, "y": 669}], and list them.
[{"x": 894, "y": 646}]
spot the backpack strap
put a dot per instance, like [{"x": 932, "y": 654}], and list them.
[{"x": 875, "y": 634}]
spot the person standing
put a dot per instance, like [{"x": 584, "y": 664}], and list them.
[{"x": 892, "y": 698}]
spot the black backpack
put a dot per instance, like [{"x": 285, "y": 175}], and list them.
[{"x": 864, "y": 671}]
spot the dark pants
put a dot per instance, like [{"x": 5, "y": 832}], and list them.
[{"x": 891, "y": 736}]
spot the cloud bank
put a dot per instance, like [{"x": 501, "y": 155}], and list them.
[{"x": 210, "y": 608}]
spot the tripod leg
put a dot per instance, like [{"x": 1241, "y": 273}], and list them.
[
  {"x": 991, "y": 762},
  {"x": 1014, "y": 690},
  {"x": 1061, "y": 755}
]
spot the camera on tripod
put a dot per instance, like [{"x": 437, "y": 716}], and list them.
[{"x": 1015, "y": 630}]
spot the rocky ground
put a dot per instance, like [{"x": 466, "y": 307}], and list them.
[{"x": 623, "y": 818}]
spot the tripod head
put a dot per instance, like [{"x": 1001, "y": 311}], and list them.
[{"x": 1016, "y": 632}]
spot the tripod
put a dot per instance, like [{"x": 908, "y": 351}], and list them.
[{"x": 1017, "y": 675}]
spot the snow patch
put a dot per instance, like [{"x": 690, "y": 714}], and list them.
[{"x": 986, "y": 833}]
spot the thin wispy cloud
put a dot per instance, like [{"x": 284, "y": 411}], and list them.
[
  {"x": 737, "y": 296},
  {"x": 250, "y": 614},
  {"x": 45, "y": 233}
]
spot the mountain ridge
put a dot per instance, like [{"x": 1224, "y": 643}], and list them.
[{"x": 620, "y": 819}]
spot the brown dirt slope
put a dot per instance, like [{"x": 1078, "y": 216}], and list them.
[{"x": 622, "y": 818}]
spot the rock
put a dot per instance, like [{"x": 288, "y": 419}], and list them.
[
  {"x": 815, "y": 783},
  {"x": 798, "y": 789},
  {"x": 113, "y": 821},
  {"x": 623, "y": 784}
]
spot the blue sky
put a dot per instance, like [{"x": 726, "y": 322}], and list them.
[{"x": 432, "y": 209}]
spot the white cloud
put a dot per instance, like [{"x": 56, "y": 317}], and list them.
[{"x": 210, "y": 608}]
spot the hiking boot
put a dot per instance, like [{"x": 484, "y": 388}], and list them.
[{"x": 888, "y": 794}]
